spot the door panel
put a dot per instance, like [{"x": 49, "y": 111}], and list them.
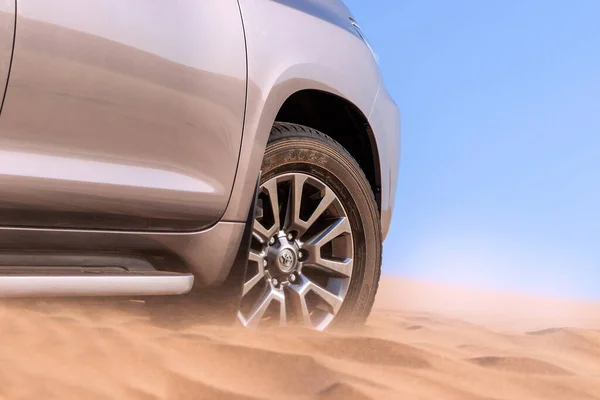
[
  {"x": 7, "y": 31},
  {"x": 122, "y": 114}
]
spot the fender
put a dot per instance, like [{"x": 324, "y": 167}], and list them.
[{"x": 286, "y": 55}]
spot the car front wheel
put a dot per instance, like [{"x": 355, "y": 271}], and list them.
[{"x": 315, "y": 256}]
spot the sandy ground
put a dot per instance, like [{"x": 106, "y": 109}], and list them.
[{"x": 423, "y": 341}]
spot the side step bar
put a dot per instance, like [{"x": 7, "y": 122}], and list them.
[{"x": 132, "y": 284}]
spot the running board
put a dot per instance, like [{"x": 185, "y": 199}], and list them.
[{"x": 107, "y": 284}]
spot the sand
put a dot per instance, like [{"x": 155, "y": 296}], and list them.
[{"x": 423, "y": 341}]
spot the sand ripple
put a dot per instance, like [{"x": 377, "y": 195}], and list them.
[{"x": 119, "y": 350}]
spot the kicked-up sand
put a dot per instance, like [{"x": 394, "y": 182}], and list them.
[{"x": 423, "y": 341}]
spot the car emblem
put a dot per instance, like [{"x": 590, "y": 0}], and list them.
[{"x": 286, "y": 259}]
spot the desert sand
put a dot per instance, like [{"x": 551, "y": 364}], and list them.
[{"x": 423, "y": 341}]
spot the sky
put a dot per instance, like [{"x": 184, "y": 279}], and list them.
[{"x": 499, "y": 182}]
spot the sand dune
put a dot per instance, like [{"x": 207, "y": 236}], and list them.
[{"x": 422, "y": 342}]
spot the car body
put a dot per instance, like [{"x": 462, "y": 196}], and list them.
[{"x": 132, "y": 132}]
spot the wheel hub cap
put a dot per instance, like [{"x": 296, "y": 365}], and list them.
[{"x": 287, "y": 260}]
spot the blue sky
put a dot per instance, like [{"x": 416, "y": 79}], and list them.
[{"x": 500, "y": 173}]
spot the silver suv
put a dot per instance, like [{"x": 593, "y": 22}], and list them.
[{"x": 244, "y": 151}]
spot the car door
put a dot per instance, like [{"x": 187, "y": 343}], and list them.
[
  {"x": 7, "y": 31},
  {"x": 121, "y": 114}
]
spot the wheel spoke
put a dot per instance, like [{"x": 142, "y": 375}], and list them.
[
  {"x": 293, "y": 220},
  {"x": 261, "y": 306},
  {"x": 263, "y": 234},
  {"x": 298, "y": 296},
  {"x": 300, "y": 291},
  {"x": 341, "y": 269},
  {"x": 252, "y": 282},
  {"x": 325, "y": 202},
  {"x": 337, "y": 228},
  {"x": 271, "y": 188},
  {"x": 259, "y": 310},
  {"x": 282, "y": 310},
  {"x": 292, "y": 216},
  {"x": 259, "y": 230},
  {"x": 314, "y": 245},
  {"x": 258, "y": 258},
  {"x": 334, "y": 301}
]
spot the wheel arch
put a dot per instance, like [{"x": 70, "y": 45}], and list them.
[{"x": 342, "y": 121}]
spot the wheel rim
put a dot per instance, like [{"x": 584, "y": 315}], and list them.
[{"x": 301, "y": 257}]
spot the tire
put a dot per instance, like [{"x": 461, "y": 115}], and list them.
[{"x": 296, "y": 149}]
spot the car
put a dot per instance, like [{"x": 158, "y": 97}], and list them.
[{"x": 246, "y": 150}]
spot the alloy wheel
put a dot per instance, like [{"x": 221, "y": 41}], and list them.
[{"x": 301, "y": 256}]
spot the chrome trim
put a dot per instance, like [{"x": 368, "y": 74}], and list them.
[{"x": 113, "y": 285}]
